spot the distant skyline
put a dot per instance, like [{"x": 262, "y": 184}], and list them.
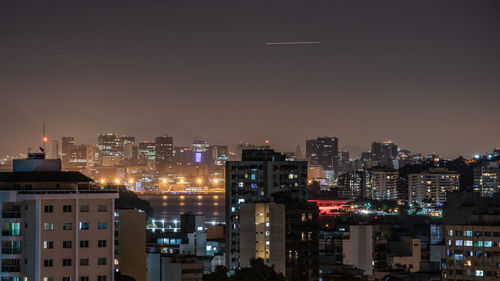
[{"x": 424, "y": 74}]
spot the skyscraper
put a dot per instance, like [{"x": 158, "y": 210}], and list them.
[
  {"x": 261, "y": 173},
  {"x": 386, "y": 153},
  {"x": 429, "y": 188},
  {"x": 323, "y": 151},
  {"x": 164, "y": 150}
]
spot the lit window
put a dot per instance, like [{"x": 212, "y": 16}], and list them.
[
  {"x": 468, "y": 233},
  {"x": 479, "y": 273},
  {"x": 450, "y": 232},
  {"x": 47, "y": 226},
  {"x": 84, "y": 225},
  {"x": 488, "y": 244},
  {"x": 468, "y": 243},
  {"x": 459, "y": 242}
]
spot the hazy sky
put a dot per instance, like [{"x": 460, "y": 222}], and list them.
[{"x": 424, "y": 74}]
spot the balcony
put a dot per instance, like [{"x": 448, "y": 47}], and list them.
[
  {"x": 11, "y": 268},
  {"x": 11, "y": 251},
  {"x": 11, "y": 214}
]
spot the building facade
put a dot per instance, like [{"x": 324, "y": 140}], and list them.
[{"x": 261, "y": 173}]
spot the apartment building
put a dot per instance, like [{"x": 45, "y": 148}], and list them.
[{"x": 55, "y": 225}]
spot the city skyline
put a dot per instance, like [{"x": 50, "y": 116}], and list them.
[{"x": 416, "y": 73}]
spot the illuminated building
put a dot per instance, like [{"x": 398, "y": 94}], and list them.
[
  {"x": 107, "y": 145},
  {"x": 67, "y": 144},
  {"x": 429, "y": 188},
  {"x": 262, "y": 234},
  {"x": 323, "y": 151},
  {"x": 351, "y": 185},
  {"x": 302, "y": 234},
  {"x": 219, "y": 154},
  {"x": 487, "y": 178},
  {"x": 147, "y": 153},
  {"x": 472, "y": 229},
  {"x": 55, "y": 225},
  {"x": 164, "y": 151},
  {"x": 73, "y": 156},
  {"x": 261, "y": 173},
  {"x": 386, "y": 153},
  {"x": 381, "y": 184}
]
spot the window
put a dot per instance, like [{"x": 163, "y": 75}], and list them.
[
  {"x": 84, "y": 278},
  {"x": 102, "y": 226},
  {"x": 66, "y": 262},
  {"x": 48, "y": 244},
  {"x": 11, "y": 229},
  {"x": 67, "y": 226},
  {"x": 67, "y": 208},
  {"x": 48, "y": 279},
  {"x": 67, "y": 244},
  {"x": 102, "y": 208},
  {"x": 84, "y": 243},
  {"x": 450, "y": 232},
  {"x": 488, "y": 244},
  {"x": 101, "y": 243},
  {"x": 84, "y": 225},
  {"x": 101, "y": 278},
  {"x": 84, "y": 208},
  {"x": 468, "y": 243},
  {"x": 49, "y": 208},
  {"x": 459, "y": 242},
  {"x": 84, "y": 261},
  {"x": 48, "y": 226},
  {"x": 479, "y": 273},
  {"x": 48, "y": 263},
  {"x": 66, "y": 279},
  {"x": 478, "y": 243},
  {"x": 101, "y": 261},
  {"x": 468, "y": 233}
]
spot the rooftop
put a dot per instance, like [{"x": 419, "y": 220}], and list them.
[{"x": 43, "y": 177}]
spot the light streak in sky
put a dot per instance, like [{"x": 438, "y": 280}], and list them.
[{"x": 294, "y": 43}]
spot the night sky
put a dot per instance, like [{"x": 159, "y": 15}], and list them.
[{"x": 424, "y": 74}]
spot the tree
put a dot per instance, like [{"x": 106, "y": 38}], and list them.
[
  {"x": 299, "y": 273},
  {"x": 130, "y": 199},
  {"x": 122, "y": 277},
  {"x": 220, "y": 274},
  {"x": 258, "y": 271}
]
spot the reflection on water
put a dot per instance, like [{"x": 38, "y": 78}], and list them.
[{"x": 173, "y": 205}]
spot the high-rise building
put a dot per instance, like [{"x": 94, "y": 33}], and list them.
[
  {"x": 261, "y": 173},
  {"x": 55, "y": 225},
  {"x": 472, "y": 229},
  {"x": 351, "y": 185},
  {"x": 323, "y": 151},
  {"x": 262, "y": 234},
  {"x": 74, "y": 157},
  {"x": 53, "y": 150},
  {"x": 386, "y": 153},
  {"x": 107, "y": 145},
  {"x": 67, "y": 144},
  {"x": 429, "y": 188},
  {"x": 487, "y": 178},
  {"x": 302, "y": 234},
  {"x": 147, "y": 152},
  {"x": 381, "y": 184},
  {"x": 164, "y": 151},
  {"x": 110, "y": 144}
]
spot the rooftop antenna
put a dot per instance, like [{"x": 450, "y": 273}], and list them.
[{"x": 44, "y": 138}]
